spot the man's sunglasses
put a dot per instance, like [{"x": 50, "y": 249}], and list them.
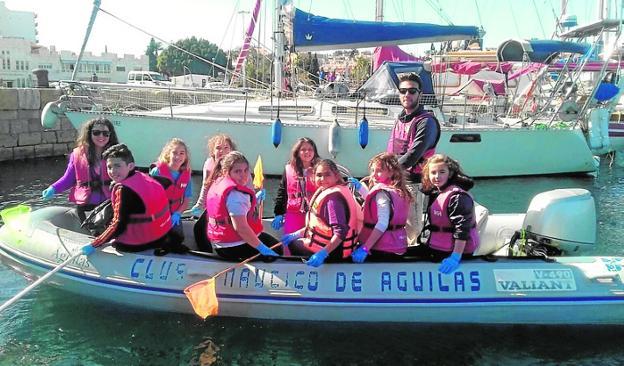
[
  {"x": 409, "y": 90},
  {"x": 98, "y": 133}
]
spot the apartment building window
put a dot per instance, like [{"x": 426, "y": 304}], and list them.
[{"x": 121, "y": 68}]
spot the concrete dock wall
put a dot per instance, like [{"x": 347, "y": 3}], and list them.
[{"x": 21, "y": 133}]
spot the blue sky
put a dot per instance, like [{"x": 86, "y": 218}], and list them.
[{"x": 63, "y": 22}]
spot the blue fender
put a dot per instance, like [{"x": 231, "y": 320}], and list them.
[
  {"x": 363, "y": 133},
  {"x": 606, "y": 91},
  {"x": 276, "y": 132}
]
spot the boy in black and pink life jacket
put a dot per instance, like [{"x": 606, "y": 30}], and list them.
[{"x": 141, "y": 216}]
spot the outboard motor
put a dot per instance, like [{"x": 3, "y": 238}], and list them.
[{"x": 561, "y": 221}]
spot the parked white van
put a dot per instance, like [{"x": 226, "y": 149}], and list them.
[{"x": 148, "y": 78}]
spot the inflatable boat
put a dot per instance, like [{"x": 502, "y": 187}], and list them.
[{"x": 528, "y": 269}]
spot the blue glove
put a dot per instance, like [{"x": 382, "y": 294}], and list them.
[
  {"x": 277, "y": 222},
  {"x": 355, "y": 183},
  {"x": 450, "y": 264},
  {"x": 318, "y": 258},
  {"x": 175, "y": 219},
  {"x": 266, "y": 251},
  {"x": 359, "y": 255},
  {"x": 289, "y": 238},
  {"x": 48, "y": 193},
  {"x": 260, "y": 195},
  {"x": 196, "y": 211},
  {"x": 87, "y": 249}
]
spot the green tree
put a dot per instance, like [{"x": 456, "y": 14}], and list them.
[
  {"x": 257, "y": 67},
  {"x": 361, "y": 69},
  {"x": 174, "y": 62},
  {"x": 152, "y": 53}
]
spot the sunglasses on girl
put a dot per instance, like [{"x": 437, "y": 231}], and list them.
[
  {"x": 99, "y": 132},
  {"x": 409, "y": 90}
]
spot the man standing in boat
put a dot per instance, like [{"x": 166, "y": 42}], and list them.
[{"x": 413, "y": 139}]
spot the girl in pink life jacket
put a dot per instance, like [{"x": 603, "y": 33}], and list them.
[
  {"x": 296, "y": 188},
  {"x": 86, "y": 175},
  {"x": 218, "y": 146},
  {"x": 386, "y": 208},
  {"x": 233, "y": 225},
  {"x": 333, "y": 222},
  {"x": 451, "y": 219},
  {"x": 174, "y": 166}
]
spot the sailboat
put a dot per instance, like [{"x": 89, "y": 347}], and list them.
[{"x": 268, "y": 125}]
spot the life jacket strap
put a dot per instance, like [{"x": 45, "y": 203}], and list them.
[
  {"x": 142, "y": 218},
  {"x": 390, "y": 227}
]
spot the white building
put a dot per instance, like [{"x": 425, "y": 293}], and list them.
[{"x": 20, "y": 54}]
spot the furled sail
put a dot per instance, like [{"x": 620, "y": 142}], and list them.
[
  {"x": 309, "y": 32},
  {"x": 536, "y": 50},
  {"x": 246, "y": 42}
]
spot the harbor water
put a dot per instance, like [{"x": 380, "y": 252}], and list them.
[{"x": 52, "y": 327}]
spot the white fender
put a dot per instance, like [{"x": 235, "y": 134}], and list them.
[
  {"x": 50, "y": 115},
  {"x": 598, "y": 138},
  {"x": 333, "y": 143}
]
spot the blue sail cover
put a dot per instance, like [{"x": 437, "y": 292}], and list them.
[
  {"x": 543, "y": 51},
  {"x": 312, "y": 32}
]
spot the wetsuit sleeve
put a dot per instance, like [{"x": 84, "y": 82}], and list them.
[
  {"x": 68, "y": 179},
  {"x": 282, "y": 197},
  {"x": 461, "y": 214},
  {"x": 425, "y": 139},
  {"x": 126, "y": 203},
  {"x": 336, "y": 216}
]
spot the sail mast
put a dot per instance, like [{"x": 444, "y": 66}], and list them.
[
  {"x": 96, "y": 8},
  {"x": 379, "y": 10},
  {"x": 278, "y": 43}
]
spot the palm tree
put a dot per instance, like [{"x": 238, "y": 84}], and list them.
[{"x": 152, "y": 52}]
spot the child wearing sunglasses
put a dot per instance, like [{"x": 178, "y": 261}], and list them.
[
  {"x": 86, "y": 175},
  {"x": 414, "y": 137}
]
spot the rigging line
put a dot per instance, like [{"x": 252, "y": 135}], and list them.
[
  {"x": 398, "y": 12},
  {"x": 347, "y": 9},
  {"x": 227, "y": 28},
  {"x": 479, "y": 14},
  {"x": 539, "y": 18},
  {"x": 514, "y": 18},
  {"x": 168, "y": 43}
]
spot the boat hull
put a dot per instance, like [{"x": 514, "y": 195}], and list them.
[
  {"x": 574, "y": 290},
  {"x": 482, "y": 152}
]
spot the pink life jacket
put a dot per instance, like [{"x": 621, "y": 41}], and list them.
[
  {"x": 175, "y": 191},
  {"x": 298, "y": 196},
  {"x": 219, "y": 228},
  {"x": 441, "y": 237},
  {"x": 394, "y": 239},
  {"x": 81, "y": 192},
  {"x": 402, "y": 137},
  {"x": 156, "y": 221}
]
